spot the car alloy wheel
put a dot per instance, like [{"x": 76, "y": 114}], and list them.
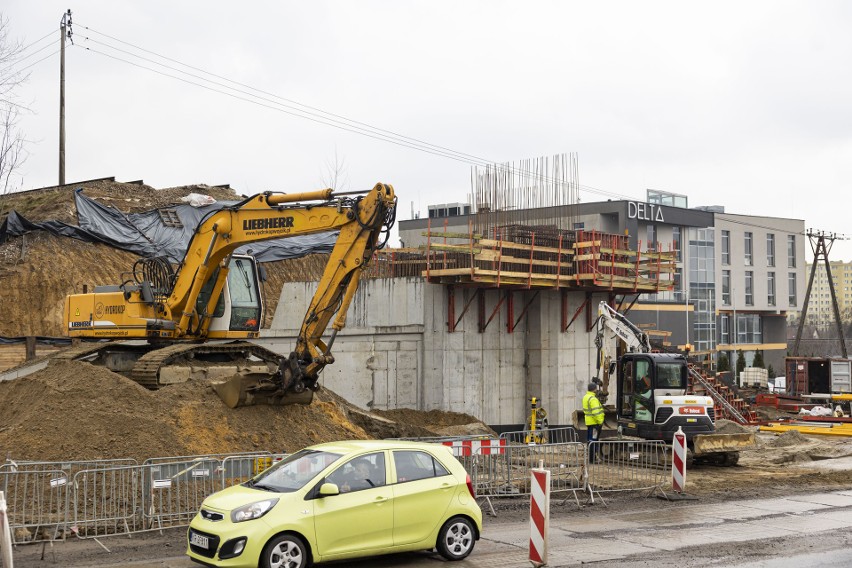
[
  {"x": 456, "y": 539},
  {"x": 285, "y": 551}
]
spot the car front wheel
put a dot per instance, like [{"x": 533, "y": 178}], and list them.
[
  {"x": 284, "y": 551},
  {"x": 456, "y": 539}
]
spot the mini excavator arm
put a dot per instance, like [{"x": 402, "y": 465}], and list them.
[{"x": 635, "y": 339}]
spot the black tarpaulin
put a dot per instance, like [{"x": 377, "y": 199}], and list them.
[{"x": 146, "y": 235}]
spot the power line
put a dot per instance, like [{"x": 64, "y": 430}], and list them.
[
  {"x": 330, "y": 119},
  {"x": 37, "y": 62},
  {"x": 47, "y": 35}
]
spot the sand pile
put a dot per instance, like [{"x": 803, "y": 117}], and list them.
[
  {"x": 75, "y": 411},
  {"x": 788, "y": 439}
]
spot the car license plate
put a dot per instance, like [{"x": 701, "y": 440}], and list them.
[{"x": 199, "y": 540}]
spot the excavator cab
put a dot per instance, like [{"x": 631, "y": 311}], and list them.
[
  {"x": 240, "y": 306},
  {"x": 652, "y": 400}
]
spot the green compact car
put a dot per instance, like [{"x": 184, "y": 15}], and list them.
[{"x": 341, "y": 500}]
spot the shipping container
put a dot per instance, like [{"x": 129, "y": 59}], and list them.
[{"x": 818, "y": 375}]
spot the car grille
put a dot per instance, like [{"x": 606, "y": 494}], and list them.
[
  {"x": 711, "y": 412},
  {"x": 205, "y": 552},
  {"x": 663, "y": 414},
  {"x": 211, "y": 516}
]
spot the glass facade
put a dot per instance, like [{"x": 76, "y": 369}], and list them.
[
  {"x": 702, "y": 287},
  {"x": 726, "y": 287}
]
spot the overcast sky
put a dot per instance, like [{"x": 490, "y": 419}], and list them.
[{"x": 734, "y": 103}]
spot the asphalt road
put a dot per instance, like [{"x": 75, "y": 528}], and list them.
[{"x": 798, "y": 530}]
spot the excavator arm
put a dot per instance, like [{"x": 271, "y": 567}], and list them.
[
  {"x": 634, "y": 338},
  {"x": 361, "y": 221}
]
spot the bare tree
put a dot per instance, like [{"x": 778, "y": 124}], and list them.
[
  {"x": 12, "y": 150},
  {"x": 335, "y": 175}
]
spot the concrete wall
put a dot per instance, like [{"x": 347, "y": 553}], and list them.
[{"x": 396, "y": 351}]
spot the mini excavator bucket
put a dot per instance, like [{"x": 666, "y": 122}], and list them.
[{"x": 258, "y": 389}]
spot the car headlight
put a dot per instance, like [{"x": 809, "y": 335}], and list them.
[{"x": 252, "y": 510}]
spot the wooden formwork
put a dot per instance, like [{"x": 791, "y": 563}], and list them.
[{"x": 549, "y": 258}]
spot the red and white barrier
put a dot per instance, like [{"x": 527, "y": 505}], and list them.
[
  {"x": 539, "y": 516},
  {"x": 462, "y": 448},
  {"x": 679, "y": 461}
]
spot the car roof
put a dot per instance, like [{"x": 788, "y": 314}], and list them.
[{"x": 353, "y": 446}]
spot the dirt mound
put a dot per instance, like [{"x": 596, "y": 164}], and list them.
[
  {"x": 74, "y": 410},
  {"x": 788, "y": 439},
  {"x": 728, "y": 427}
]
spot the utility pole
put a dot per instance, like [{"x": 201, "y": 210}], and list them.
[
  {"x": 65, "y": 31},
  {"x": 821, "y": 250}
]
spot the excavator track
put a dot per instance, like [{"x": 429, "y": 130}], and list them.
[{"x": 146, "y": 371}]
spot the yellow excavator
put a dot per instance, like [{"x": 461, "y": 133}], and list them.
[{"x": 168, "y": 325}]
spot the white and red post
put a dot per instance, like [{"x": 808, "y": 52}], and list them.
[
  {"x": 539, "y": 516},
  {"x": 679, "y": 461},
  {"x": 5, "y": 534}
]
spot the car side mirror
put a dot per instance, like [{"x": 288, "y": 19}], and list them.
[{"x": 329, "y": 489}]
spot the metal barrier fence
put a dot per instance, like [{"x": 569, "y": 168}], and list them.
[
  {"x": 506, "y": 473},
  {"x": 561, "y": 435},
  {"x": 37, "y": 504},
  {"x": 622, "y": 465},
  {"x": 50, "y": 500}
]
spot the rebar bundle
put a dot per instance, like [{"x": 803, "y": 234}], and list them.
[{"x": 540, "y": 192}]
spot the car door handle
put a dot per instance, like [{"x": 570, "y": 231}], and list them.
[{"x": 380, "y": 499}]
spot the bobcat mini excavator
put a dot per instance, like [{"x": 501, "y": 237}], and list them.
[
  {"x": 177, "y": 324},
  {"x": 652, "y": 398}
]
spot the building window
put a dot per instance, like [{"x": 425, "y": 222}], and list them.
[
  {"x": 749, "y": 328},
  {"x": 749, "y": 288},
  {"x": 726, "y": 287},
  {"x": 791, "y": 289},
  {"x": 770, "y": 249},
  {"x": 724, "y": 336},
  {"x": 770, "y": 288},
  {"x": 726, "y": 247},
  {"x": 652, "y": 237},
  {"x": 749, "y": 257},
  {"x": 791, "y": 251},
  {"x": 676, "y": 242}
]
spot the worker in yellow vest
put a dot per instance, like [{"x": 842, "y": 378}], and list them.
[{"x": 593, "y": 412}]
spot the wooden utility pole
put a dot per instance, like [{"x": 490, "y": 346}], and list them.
[{"x": 65, "y": 31}]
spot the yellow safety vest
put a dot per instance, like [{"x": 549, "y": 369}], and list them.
[{"x": 592, "y": 410}]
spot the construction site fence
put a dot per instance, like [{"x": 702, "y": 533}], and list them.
[
  {"x": 626, "y": 465},
  {"x": 48, "y": 501},
  {"x": 561, "y": 435}
]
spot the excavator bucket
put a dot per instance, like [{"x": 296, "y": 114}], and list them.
[
  {"x": 256, "y": 389},
  {"x": 715, "y": 443}
]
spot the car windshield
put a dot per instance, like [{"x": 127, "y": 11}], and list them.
[{"x": 292, "y": 473}]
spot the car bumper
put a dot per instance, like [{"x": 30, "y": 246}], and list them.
[{"x": 228, "y": 544}]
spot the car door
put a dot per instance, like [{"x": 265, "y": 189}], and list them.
[
  {"x": 357, "y": 519},
  {"x": 421, "y": 495}
]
